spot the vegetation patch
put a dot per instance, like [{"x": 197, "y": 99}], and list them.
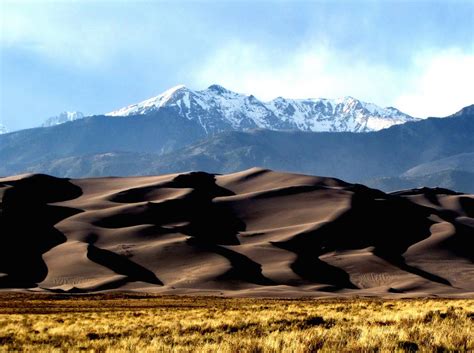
[{"x": 117, "y": 322}]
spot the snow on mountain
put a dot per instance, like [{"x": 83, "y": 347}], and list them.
[
  {"x": 218, "y": 109},
  {"x": 3, "y": 129},
  {"x": 62, "y": 118}
]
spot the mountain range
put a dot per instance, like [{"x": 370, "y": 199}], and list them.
[
  {"x": 3, "y": 129},
  {"x": 220, "y": 131},
  {"x": 218, "y": 109}
]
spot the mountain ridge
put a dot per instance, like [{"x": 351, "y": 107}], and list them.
[{"x": 218, "y": 109}]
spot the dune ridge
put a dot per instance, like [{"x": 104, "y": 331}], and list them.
[{"x": 252, "y": 233}]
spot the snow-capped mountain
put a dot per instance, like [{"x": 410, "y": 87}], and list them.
[
  {"x": 62, "y": 118},
  {"x": 217, "y": 109},
  {"x": 3, "y": 129}
]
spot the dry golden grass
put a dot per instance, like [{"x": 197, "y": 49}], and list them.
[{"x": 111, "y": 323}]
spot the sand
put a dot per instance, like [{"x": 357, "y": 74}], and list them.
[{"x": 252, "y": 233}]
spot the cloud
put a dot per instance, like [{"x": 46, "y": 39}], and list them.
[
  {"x": 440, "y": 85},
  {"x": 430, "y": 84},
  {"x": 307, "y": 72}
]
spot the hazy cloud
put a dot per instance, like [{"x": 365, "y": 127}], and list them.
[
  {"x": 434, "y": 83},
  {"x": 440, "y": 84}
]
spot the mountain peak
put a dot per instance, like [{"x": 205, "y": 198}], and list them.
[
  {"x": 62, "y": 118},
  {"x": 218, "y": 89},
  {"x": 173, "y": 90},
  {"x": 151, "y": 104},
  {"x": 167, "y": 95},
  {"x": 350, "y": 98}
]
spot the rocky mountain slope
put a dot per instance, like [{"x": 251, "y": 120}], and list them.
[{"x": 350, "y": 156}]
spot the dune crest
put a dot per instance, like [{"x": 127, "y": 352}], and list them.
[{"x": 252, "y": 233}]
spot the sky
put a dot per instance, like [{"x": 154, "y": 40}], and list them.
[{"x": 98, "y": 56}]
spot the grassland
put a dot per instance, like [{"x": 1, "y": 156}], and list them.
[{"x": 111, "y": 323}]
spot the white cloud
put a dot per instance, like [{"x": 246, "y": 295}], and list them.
[
  {"x": 308, "y": 72},
  {"x": 441, "y": 85},
  {"x": 435, "y": 84}
]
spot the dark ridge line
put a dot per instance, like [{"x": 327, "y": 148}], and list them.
[{"x": 121, "y": 265}]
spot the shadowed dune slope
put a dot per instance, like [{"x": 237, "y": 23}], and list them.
[{"x": 252, "y": 233}]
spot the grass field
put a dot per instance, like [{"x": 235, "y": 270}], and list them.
[{"x": 111, "y": 323}]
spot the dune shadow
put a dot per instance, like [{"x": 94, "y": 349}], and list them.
[
  {"x": 462, "y": 242},
  {"x": 121, "y": 265},
  {"x": 312, "y": 269},
  {"x": 208, "y": 223},
  {"x": 196, "y": 212},
  {"x": 467, "y": 205},
  {"x": 399, "y": 261},
  {"x": 388, "y": 223},
  {"x": 243, "y": 268},
  {"x": 27, "y": 226}
]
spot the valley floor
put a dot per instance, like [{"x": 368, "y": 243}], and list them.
[{"x": 126, "y": 322}]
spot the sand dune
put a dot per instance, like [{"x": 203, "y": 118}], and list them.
[{"x": 253, "y": 233}]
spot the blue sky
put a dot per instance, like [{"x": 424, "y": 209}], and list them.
[{"x": 97, "y": 56}]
